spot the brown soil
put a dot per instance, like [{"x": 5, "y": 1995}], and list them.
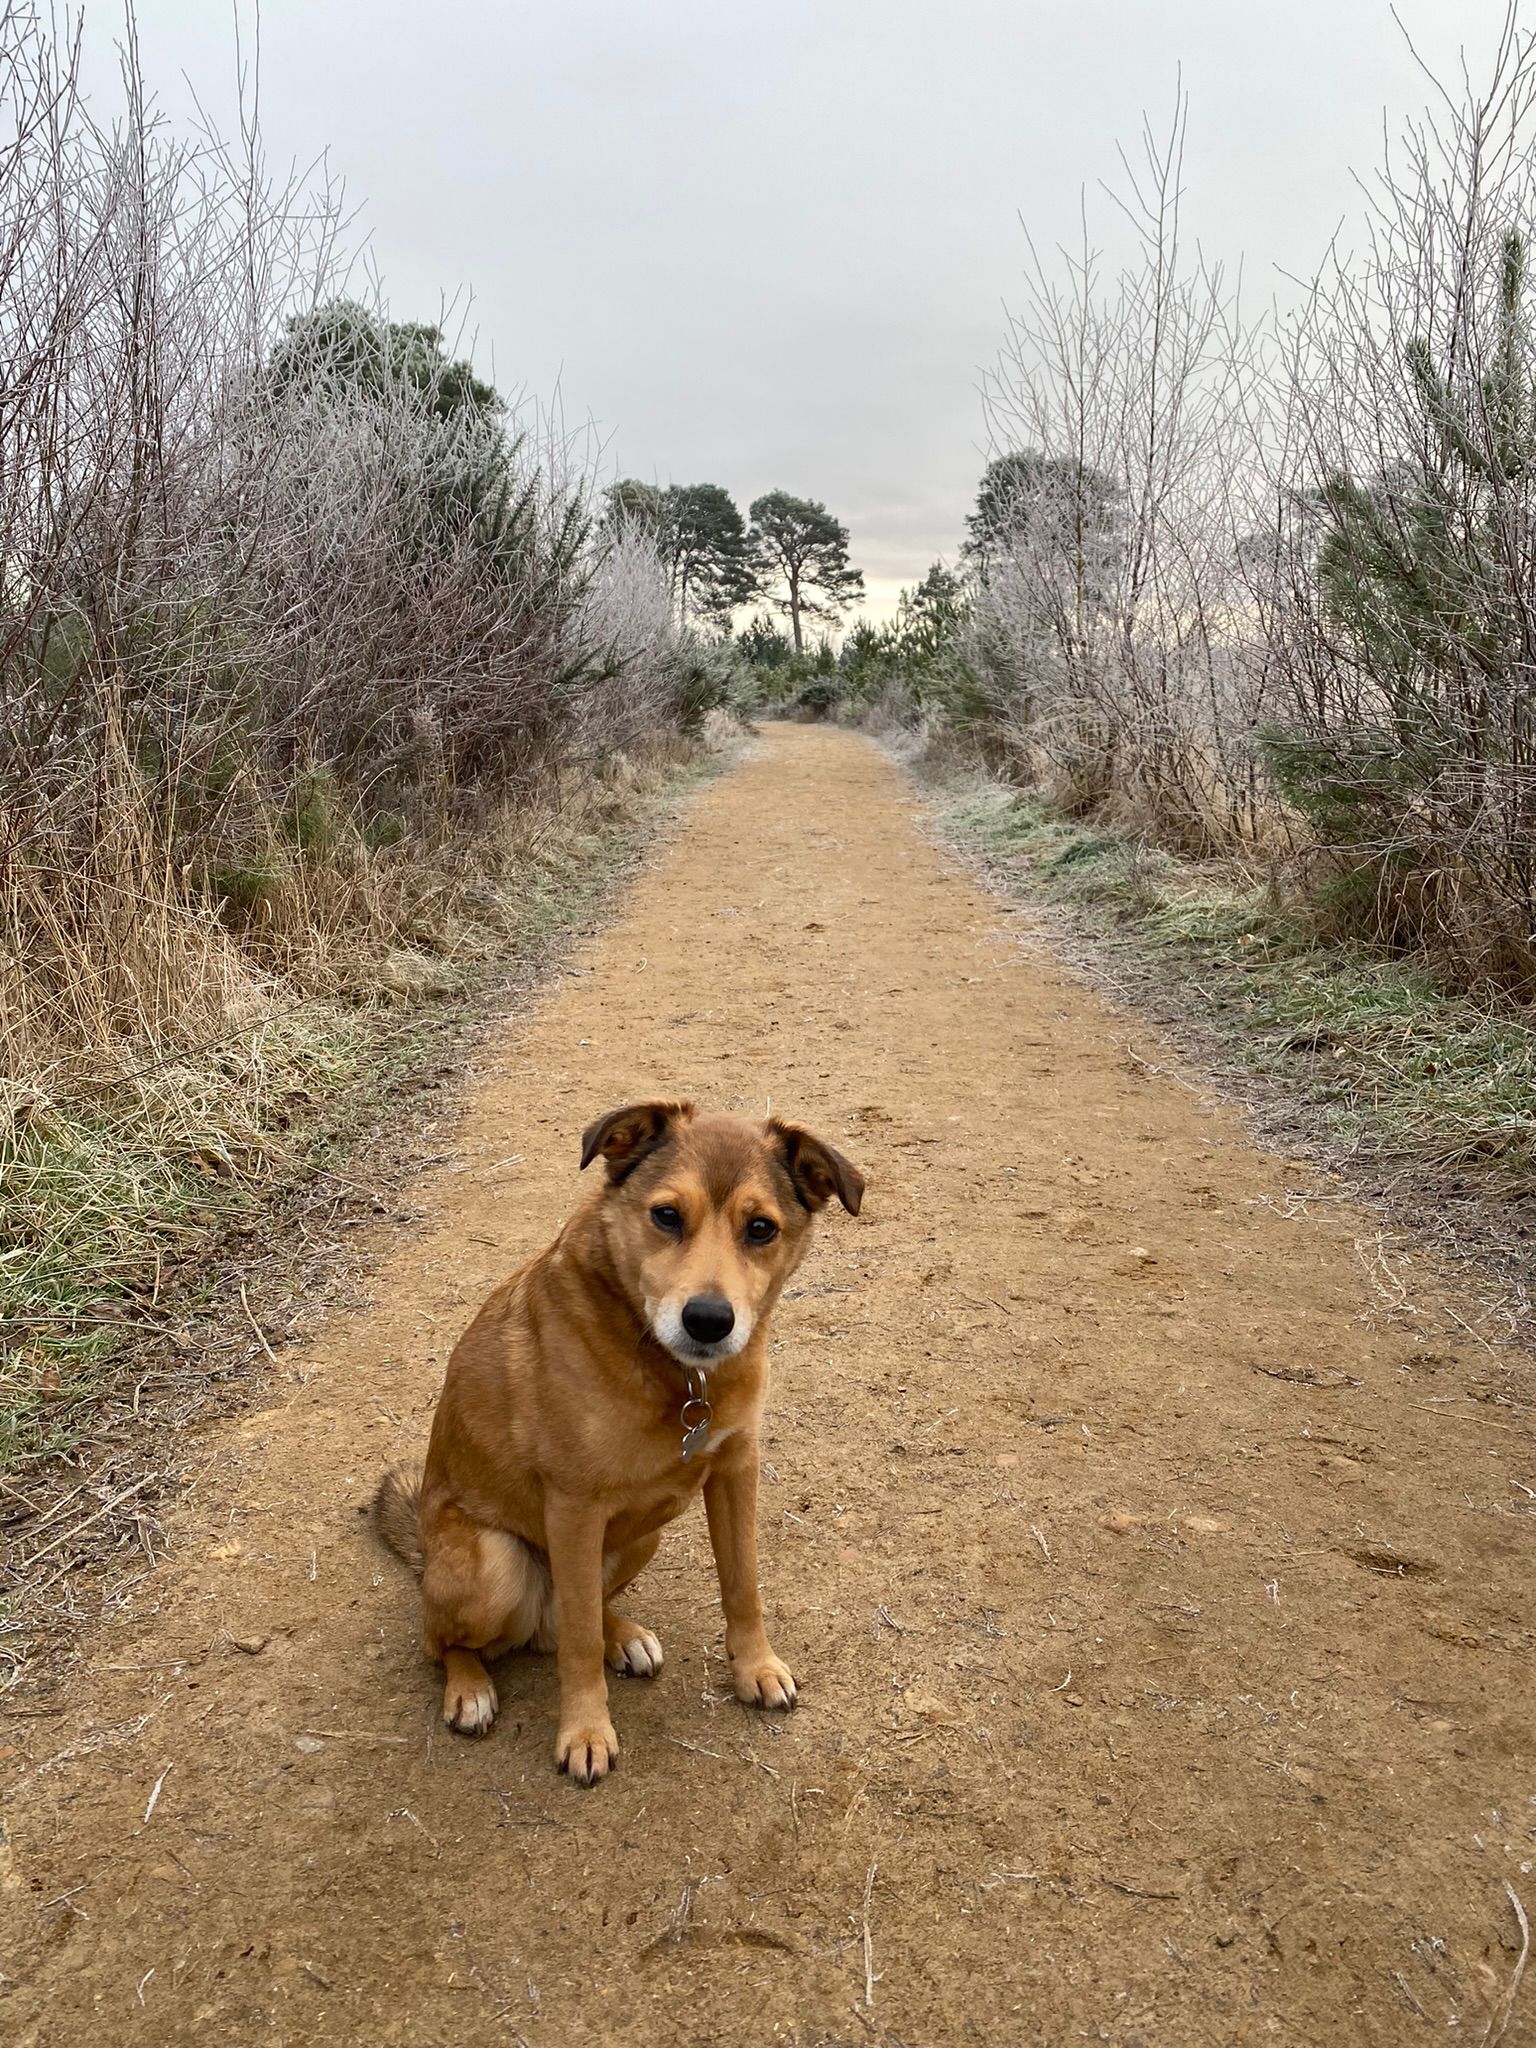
[{"x": 1159, "y": 1596}]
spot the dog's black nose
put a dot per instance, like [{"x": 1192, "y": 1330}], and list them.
[{"x": 708, "y": 1318}]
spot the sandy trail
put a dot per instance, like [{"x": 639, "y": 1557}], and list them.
[{"x": 1163, "y": 1626}]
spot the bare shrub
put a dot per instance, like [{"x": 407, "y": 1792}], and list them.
[
  {"x": 1276, "y": 583},
  {"x": 314, "y": 684},
  {"x": 1400, "y": 600},
  {"x": 1111, "y": 595},
  {"x": 291, "y": 605}
]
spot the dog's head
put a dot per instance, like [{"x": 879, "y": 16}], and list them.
[{"x": 706, "y": 1217}]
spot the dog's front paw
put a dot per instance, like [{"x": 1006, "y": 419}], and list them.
[
  {"x": 763, "y": 1680},
  {"x": 634, "y": 1653},
  {"x": 469, "y": 1705},
  {"x": 587, "y": 1751}
]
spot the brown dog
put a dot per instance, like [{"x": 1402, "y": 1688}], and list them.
[{"x": 596, "y": 1392}]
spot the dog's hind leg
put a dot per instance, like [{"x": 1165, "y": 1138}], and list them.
[
  {"x": 483, "y": 1592},
  {"x": 630, "y": 1649}
]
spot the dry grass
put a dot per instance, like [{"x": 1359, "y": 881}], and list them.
[
  {"x": 159, "y": 1081},
  {"x": 166, "y": 1225},
  {"x": 1420, "y": 1098}
]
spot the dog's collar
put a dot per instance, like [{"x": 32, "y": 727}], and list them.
[{"x": 697, "y": 1413}]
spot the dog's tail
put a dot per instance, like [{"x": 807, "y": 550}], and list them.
[{"x": 394, "y": 1513}]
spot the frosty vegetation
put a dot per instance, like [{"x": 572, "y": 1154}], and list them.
[
  {"x": 1267, "y": 586},
  {"x": 295, "y": 610}
]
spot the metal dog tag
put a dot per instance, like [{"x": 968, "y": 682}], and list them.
[{"x": 696, "y": 1417}]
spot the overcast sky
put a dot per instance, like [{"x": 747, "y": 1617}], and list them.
[{"x": 768, "y": 245}]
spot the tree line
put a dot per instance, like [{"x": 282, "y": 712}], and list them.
[{"x": 793, "y": 556}]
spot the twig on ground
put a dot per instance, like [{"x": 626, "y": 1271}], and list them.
[
  {"x": 1403, "y": 1985},
  {"x": 869, "y": 1954},
  {"x": 154, "y": 1797},
  {"x": 677, "y": 1925},
  {"x": 1476, "y": 1335},
  {"x": 1488, "y": 1421},
  {"x": 68, "y": 1899},
  {"x": 678, "y": 1743},
  {"x": 261, "y": 1338},
  {"x": 1133, "y": 1891},
  {"x": 1499, "y": 2021},
  {"x": 355, "y": 1735},
  {"x": 116, "y": 1501},
  {"x": 405, "y": 1813}
]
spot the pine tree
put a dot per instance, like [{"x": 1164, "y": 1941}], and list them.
[{"x": 797, "y": 544}]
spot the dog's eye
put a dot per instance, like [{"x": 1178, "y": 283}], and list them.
[
  {"x": 665, "y": 1217},
  {"x": 762, "y": 1230}
]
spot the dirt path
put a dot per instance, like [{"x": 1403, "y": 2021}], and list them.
[{"x": 1162, "y": 1607}]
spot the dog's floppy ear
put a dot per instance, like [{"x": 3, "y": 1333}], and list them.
[
  {"x": 624, "y": 1136},
  {"x": 816, "y": 1170}
]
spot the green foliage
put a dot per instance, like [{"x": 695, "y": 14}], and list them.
[
  {"x": 810, "y": 684},
  {"x": 1424, "y": 612},
  {"x": 762, "y": 644},
  {"x": 1391, "y": 1064},
  {"x": 383, "y": 827},
  {"x": 314, "y": 817},
  {"x": 817, "y": 682},
  {"x": 343, "y": 347},
  {"x": 1334, "y": 781},
  {"x": 240, "y": 891},
  {"x": 633, "y": 506},
  {"x": 1412, "y": 582},
  {"x": 801, "y": 552},
  {"x": 701, "y": 539},
  {"x": 709, "y": 675},
  {"x": 918, "y": 664},
  {"x": 930, "y": 616},
  {"x": 341, "y": 356},
  {"x": 1063, "y": 510},
  {"x": 711, "y": 563}
]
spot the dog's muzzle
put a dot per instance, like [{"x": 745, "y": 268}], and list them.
[{"x": 701, "y": 1330}]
